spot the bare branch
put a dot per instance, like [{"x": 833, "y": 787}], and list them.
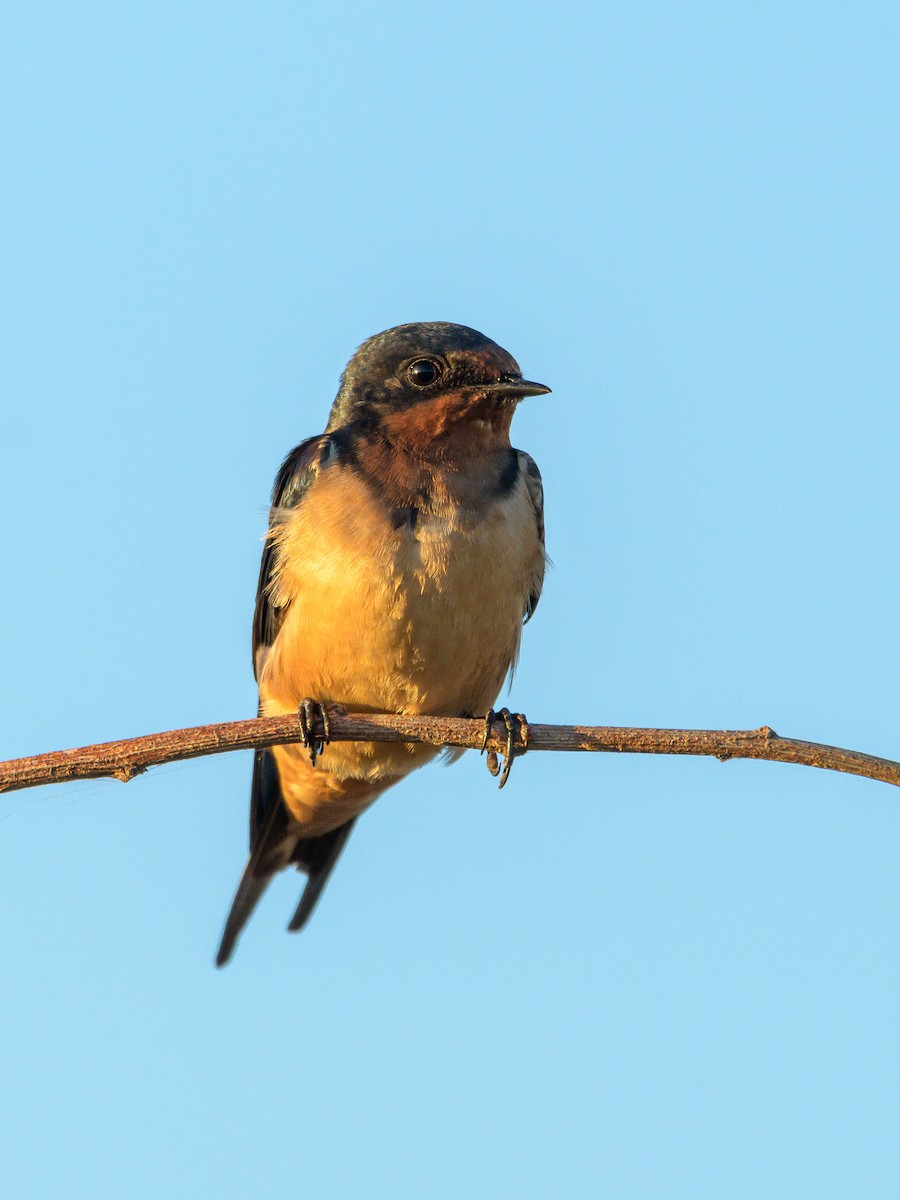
[{"x": 124, "y": 759}]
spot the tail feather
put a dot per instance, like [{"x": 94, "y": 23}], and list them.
[
  {"x": 317, "y": 856},
  {"x": 276, "y": 841},
  {"x": 248, "y": 894},
  {"x": 271, "y": 848}
]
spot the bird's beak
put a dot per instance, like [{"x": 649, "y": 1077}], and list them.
[{"x": 518, "y": 389}]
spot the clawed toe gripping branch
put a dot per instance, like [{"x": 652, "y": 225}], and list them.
[
  {"x": 516, "y": 726},
  {"x": 310, "y": 712},
  {"x": 318, "y": 724}
]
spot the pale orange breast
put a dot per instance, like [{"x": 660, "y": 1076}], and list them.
[{"x": 424, "y": 618}]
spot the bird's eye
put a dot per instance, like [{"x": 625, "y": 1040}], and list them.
[{"x": 422, "y": 372}]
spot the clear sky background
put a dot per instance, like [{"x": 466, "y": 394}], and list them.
[{"x": 631, "y": 977}]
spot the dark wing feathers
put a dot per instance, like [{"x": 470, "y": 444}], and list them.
[
  {"x": 292, "y": 482},
  {"x": 274, "y": 839},
  {"x": 535, "y": 489}
]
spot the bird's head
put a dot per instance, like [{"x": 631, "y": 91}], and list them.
[{"x": 431, "y": 383}]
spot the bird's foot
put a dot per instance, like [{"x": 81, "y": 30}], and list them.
[
  {"x": 517, "y": 736},
  {"x": 308, "y": 714}
]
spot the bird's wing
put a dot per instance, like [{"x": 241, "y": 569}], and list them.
[
  {"x": 274, "y": 839},
  {"x": 535, "y": 490},
  {"x": 293, "y": 481}
]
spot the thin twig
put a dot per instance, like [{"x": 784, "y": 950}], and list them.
[{"x": 124, "y": 759}]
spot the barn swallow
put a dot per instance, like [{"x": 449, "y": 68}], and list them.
[{"x": 405, "y": 550}]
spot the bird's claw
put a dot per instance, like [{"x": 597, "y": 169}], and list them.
[
  {"x": 517, "y": 736},
  {"x": 309, "y": 712}
]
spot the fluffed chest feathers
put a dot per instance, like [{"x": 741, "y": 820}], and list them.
[{"x": 415, "y": 608}]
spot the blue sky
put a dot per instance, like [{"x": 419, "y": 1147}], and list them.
[{"x": 633, "y": 977}]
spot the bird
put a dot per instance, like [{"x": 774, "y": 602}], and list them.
[{"x": 404, "y": 553}]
